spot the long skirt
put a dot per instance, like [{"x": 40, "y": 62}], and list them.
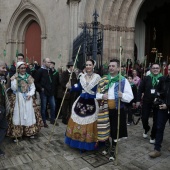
[
  {"x": 18, "y": 130},
  {"x": 81, "y": 130}
]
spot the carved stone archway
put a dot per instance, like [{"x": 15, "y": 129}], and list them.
[
  {"x": 23, "y": 16},
  {"x": 118, "y": 18}
]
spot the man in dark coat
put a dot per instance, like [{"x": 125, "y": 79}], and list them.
[
  {"x": 163, "y": 94},
  {"x": 56, "y": 84},
  {"x": 148, "y": 87},
  {"x": 70, "y": 96},
  {"x": 45, "y": 86}
]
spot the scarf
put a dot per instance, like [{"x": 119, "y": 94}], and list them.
[
  {"x": 112, "y": 80},
  {"x": 155, "y": 78},
  {"x": 23, "y": 77}
]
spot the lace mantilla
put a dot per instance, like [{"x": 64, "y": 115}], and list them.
[{"x": 87, "y": 87}]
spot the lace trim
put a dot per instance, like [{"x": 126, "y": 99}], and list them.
[
  {"x": 85, "y": 120},
  {"x": 92, "y": 83}
]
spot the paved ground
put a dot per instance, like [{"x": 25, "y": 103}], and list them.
[{"x": 35, "y": 154}]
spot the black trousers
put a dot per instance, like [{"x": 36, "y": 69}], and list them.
[
  {"x": 162, "y": 118},
  {"x": 146, "y": 110},
  {"x": 113, "y": 116},
  {"x": 3, "y": 128}
]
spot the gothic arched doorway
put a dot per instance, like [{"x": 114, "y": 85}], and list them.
[
  {"x": 152, "y": 30},
  {"x": 33, "y": 43}
]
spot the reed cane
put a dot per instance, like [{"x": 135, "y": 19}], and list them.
[
  {"x": 51, "y": 134},
  {"x": 118, "y": 119},
  {"x": 17, "y": 99}
]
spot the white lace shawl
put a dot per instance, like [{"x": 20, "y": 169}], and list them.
[{"x": 91, "y": 84}]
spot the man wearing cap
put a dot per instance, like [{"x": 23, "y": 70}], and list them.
[{"x": 70, "y": 96}]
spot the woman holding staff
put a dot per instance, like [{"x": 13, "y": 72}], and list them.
[{"x": 81, "y": 131}]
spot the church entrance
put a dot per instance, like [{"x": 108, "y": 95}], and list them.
[
  {"x": 33, "y": 43},
  {"x": 152, "y": 31}
]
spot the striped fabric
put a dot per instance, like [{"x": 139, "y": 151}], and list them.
[{"x": 103, "y": 124}]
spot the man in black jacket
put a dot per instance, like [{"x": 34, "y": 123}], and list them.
[
  {"x": 56, "y": 84},
  {"x": 163, "y": 91},
  {"x": 70, "y": 96},
  {"x": 3, "y": 121},
  {"x": 148, "y": 89},
  {"x": 45, "y": 86}
]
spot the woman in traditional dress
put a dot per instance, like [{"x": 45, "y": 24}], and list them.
[
  {"x": 25, "y": 118},
  {"x": 81, "y": 130}
]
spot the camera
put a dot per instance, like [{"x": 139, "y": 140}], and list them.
[
  {"x": 137, "y": 111},
  {"x": 157, "y": 102}
]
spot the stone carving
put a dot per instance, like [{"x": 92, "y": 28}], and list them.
[{"x": 110, "y": 27}]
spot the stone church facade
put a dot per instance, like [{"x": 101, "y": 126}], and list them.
[{"x": 60, "y": 22}]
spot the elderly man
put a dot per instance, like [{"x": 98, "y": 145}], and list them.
[{"x": 3, "y": 122}]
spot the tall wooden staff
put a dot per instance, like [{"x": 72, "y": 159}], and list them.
[
  {"x": 145, "y": 60},
  {"x": 63, "y": 98},
  {"x": 118, "y": 119},
  {"x": 17, "y": 93}
]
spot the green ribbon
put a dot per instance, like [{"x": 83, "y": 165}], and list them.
[
  {"x": 155, "y": 78},
  {"x": 55, "y": 72},
  {"x": 113, "y": 80}
]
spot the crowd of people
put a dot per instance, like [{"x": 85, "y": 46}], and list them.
[{"x": 91, "y": 104}]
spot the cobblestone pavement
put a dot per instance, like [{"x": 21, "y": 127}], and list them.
[{"x": 36, "y": 154}]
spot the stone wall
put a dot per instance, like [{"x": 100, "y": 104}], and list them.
[{"x": 60, "y": 20}]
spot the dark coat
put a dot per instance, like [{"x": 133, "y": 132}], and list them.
[
  {"x": 163, "y": 90},
  {"x": 44, "y": 80},
  {"x": 64, "y": 80},
  {"x": 56, "y": 82},
  {"x": 145, "y": 87}
]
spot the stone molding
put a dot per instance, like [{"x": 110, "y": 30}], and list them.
[
  {"x": 109, "y": 27},
  {"x": 29, "y": 9},
  {"x": 70, "y": 1}
]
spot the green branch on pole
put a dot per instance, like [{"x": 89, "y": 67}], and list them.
[{"x": 4, "y": 53}]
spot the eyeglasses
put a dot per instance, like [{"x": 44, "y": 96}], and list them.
[
  {"x": 22, "y": 68},
  {"x": 155, "y": 68}
]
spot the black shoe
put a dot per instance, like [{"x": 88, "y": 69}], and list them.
[
  {"x": 45, "y": 125},
  {"x": 53, "y": 122},
  {"x": 60, "y": 117},
  {"x": 107, "y": 148},
  {"x": 112, "y": 154},
  {"x": 2, "y": 153},
  {"x": 65, "y": 121}
]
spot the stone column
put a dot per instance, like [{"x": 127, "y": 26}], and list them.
[
  {"x": 129, "y": 52},
  {"x": 74, "y": 13}
]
